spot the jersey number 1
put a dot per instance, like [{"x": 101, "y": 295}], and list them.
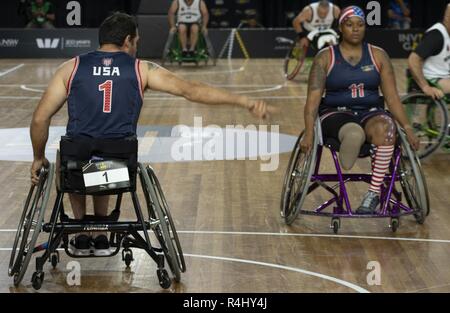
[
  {"x": 106, "y": 87},
  {"x": 357, "y": 90}
]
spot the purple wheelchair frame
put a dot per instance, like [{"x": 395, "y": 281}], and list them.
[{"x": 390, "y": 197}]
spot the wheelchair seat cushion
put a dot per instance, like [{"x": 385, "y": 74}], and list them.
[{"x": 77, "y": 152}]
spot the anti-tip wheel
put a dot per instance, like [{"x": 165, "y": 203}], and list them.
[
  {"x": 164, "y": 279},
  {"x": 37, "y": 279}
]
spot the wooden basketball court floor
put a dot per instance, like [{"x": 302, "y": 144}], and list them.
[{"x": 227, "y": 212}]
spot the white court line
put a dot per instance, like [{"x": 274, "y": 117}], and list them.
[
  {"x": 207, "y": 232},
  {"x": 24, "y": 87},
  {"x": 214, "y": 85},
  {"x": 272, "y": 265},
  {"x": 241, "y": 69},
  {"x": 18, "y": 97},
  {"x": 11, "y": 70},
  {"x": 270, "y": 88},
  {"x": 273, "y": 88},
  {"x": 287, "y": 268},
  {"x": 314, "y": 235},
  {"x": 157, "y": 98}
]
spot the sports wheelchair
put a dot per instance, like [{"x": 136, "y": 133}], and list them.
[
  {"x": 295, "y": 58},
  {"x": 173, "y": 52},
  {"x": 303, "y": 177},
  {"x": 428, "y": 117},
  {"x": 97, "y": 167}
]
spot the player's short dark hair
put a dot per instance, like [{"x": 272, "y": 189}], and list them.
[
  {"x": 324, "y": 3},
  {"x": 116, "y": 28}
]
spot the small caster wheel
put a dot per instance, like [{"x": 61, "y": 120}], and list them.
[
  {"x": 16, "y": 279},
  {"x": 37, "y": 279},
  {"x": 335, "y": 225},
  {"x": 127, "y": 257},
  {"x": 395, "y": 223},
  {"x": 54, "y": 259},
  {"x": 164, "y": 279}
]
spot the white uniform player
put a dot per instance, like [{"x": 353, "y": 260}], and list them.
[
  {"x": 316, "y": 17},
  {"x": 188, "y": 17},
  {"x": 429, "y": 64}
]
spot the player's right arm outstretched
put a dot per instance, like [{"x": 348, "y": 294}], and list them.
[{"x": 160, "y": 79}]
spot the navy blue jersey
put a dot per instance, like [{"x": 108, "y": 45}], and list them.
[
  {"x": 354, "y": 87},
  {"x": 105, "y": 95}
]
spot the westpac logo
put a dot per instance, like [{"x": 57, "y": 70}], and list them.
[{"x": 47, "y": 43}]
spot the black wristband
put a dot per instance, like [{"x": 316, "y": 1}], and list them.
[{"x": 302, "y": 34}]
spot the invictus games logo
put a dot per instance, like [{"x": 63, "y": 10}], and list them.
[
  {"x": 409, "y": 41},
  {"x": 367, "y": 68}
]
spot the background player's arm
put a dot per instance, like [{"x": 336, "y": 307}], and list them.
[
  {"x": 205, "y": 15},
  {"x": 171, "y": 15},
  {"x": 415, "y": 64},
  {"x": 50, "y": 103},
  {"x": 390, "y": 93},
  {"x": 304, "y": 16},
  {"x": 432, "y": 44},
  {"x": 336, "y": 14},
  {"x": 316, "y": 87},
  {"x": 160, "y": 79}
]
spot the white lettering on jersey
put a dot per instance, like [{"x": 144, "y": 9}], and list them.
[{"x": 106, "y": 71}]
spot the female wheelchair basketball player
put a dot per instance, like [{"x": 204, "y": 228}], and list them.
[{"x": 352, "y": 111}]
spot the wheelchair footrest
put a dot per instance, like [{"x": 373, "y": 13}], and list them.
[
  {"x": 83, "y": 226},
  {"x": 92, "y": 253}
]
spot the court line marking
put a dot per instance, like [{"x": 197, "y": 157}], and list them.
[
  {"x": 284, "y": 267},
  {"x": 271, "y": 88},
  {"x": 11, "y": 69},
  {"x": 158, "y": 98},
  {"x": 285, "y": 84},
  {"x": 272, "y": 265},
  {"x": 170, "y": 98},
  {"x": 313, "y": 235},
  {"x": 24, "y": 87},
  {"x": 207, "y": 232},
  {"x": 241, "y": 69},
  {"x": 277, "y": 87}
]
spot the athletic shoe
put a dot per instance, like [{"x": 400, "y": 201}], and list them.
[
  {"x": 101, "y": 245},
  {"x": 81, "y": 245},
  {"x": 369, "y": 203}
]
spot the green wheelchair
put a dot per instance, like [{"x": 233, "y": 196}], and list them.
[
  {"x": 428, "y": 117},
  {"x": 204, "y": 51}
]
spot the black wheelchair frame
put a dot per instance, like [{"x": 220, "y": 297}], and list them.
[{"x": 123, "y": 234}]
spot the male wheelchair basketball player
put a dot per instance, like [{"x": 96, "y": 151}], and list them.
[
  {"x": 104, "y": 90},
  {"x": 188, "y": 39},
  {"x": 428, "y": 87},
  {"x": 314, "y": 27},
  {"x": 352, "y": 121}
]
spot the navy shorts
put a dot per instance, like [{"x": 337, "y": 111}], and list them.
[{"x": 332, "y": 119}]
